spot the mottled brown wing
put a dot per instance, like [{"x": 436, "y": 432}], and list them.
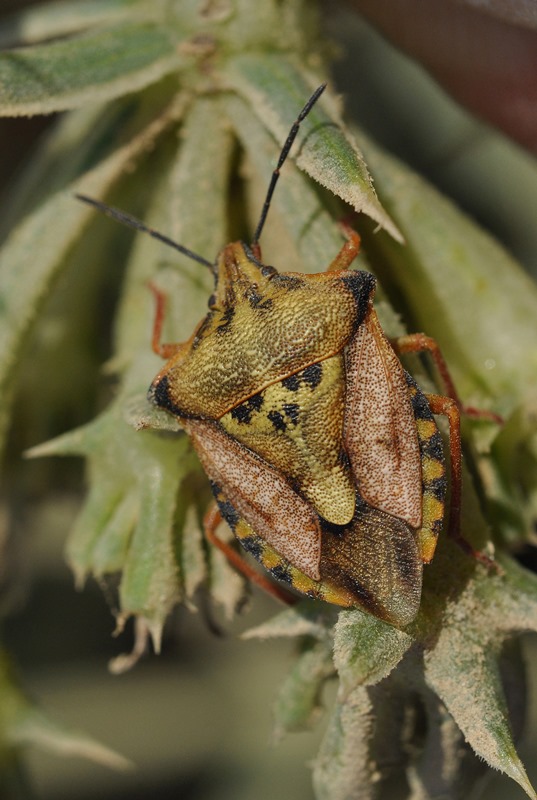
[
  {"x": 261, "y": 495},
  {"x": 376, "y": 558},
  {"x": 380, "y": 429}
]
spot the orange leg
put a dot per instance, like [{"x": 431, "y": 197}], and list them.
[
  {"x": 210, "y": 523},
  {"x": 163, "y": 350},
  {"x": 418, "y": 343},
  {"x": 348, "y": 252}
]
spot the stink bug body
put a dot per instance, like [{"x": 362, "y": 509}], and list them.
[{"x": 323, "y": 454}]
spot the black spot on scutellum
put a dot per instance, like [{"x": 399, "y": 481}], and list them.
[
  {"x": 292, "y": 383},
  {"x": 292, "y": 412},
  {"x": 256, "y": 401},
  {"x": 243, "y": 412},
  {"x": 277, "y": 420},
  {"x": 312, "y": 375}
]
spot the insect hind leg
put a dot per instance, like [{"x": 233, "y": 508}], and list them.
[{"x": 211, "y": 521}]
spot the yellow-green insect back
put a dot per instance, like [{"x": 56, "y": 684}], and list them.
[{"x": 323, "y": 454}]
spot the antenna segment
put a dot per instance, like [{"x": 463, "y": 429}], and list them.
[
  {"x": 132, "y": 222},
  {"x": 283, "y": 155}
]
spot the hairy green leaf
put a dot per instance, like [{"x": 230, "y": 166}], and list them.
[
  {"x": 89, "y": 67},
  {"x": 366, "y": 649},
  {"x": 36, "y": 252},
  {"x": 55, "y": 19},
  {"x": 343, "y": 769},
  {"x": 449, "y": 271},
  {"x": 304, "y": 619},
  {"x": 23, "y": 724},
  {"x": 300, "y": 233},
  {"x": 298, "y": 705},
  {"x": 276, "y": 90}
]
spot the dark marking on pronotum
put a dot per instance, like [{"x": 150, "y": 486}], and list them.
[
  {"x": 227, "y": 316},
  {"x": 362, "y": 286},
  {"x": 202, "y": 329},
  {"x": 289, "y": 281},
  {"x": 256, "y": 301},
  {"x": 159, "y": 394}
]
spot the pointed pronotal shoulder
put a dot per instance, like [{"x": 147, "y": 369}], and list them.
[{"x": 262, "y": 327}]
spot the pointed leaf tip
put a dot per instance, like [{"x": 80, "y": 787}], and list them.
[
  {"x": 142, "y": 634},
  {"x": 34, "y": 728},
  {"x": 366, "y": 649},
  {"x": 300, "y": 620},
  {"x": 465, "y": 674},
  {"x": 275, "y": 90},
  {"x": 518, "y": 774},
  {"x": 70, "y": 443}
]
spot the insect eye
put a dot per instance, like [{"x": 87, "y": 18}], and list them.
[{"x": 212, "y": 301}]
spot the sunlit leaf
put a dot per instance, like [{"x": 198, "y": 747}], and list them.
[{"x": 275, "y": 90}]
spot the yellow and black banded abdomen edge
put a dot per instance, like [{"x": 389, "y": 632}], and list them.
[{"x": 433, "y": 467}]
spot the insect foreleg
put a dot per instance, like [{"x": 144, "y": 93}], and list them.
[
  {"x": 348, "y": 252},
  {"x": 167, "y": 350}
]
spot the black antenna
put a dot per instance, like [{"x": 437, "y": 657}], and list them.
[
  {"x": 283, "y": 155},
  {"x": 132, "y": 222}
]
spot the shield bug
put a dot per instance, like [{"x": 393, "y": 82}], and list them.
[{"x": 323, "y": 454}]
